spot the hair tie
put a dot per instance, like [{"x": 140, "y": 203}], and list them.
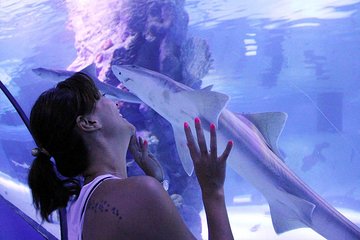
[{"x": 37, "y": 151}]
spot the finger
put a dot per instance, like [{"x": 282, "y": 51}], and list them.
[
  {"x": 200, "y": 136},
  {"x": 144, "y": 150},
  {"x": 133, "y": 145},
  {"x": 227, "y": 150},
  {"x": 213, "y": 145},
  {"x": 140, "y": 143},
  {"x": 132, "y": 140},
  {"x": 190, "y": 142}
]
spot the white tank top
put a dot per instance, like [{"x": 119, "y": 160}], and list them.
[{"x": 76, "y": 210}]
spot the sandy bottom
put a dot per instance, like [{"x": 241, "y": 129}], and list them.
[{"x": 254, "y": 222}]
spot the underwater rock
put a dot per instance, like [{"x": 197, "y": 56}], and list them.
[
  {"x": 196, "y": 60},
  {"x": 143, "y": 32}
]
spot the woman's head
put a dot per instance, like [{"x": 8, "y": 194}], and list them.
[
  {"x": 53, "y": 126},
  {"x": 53, "y": 122}
]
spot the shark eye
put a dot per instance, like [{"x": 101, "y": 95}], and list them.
[{"x": 119, "y": 73}]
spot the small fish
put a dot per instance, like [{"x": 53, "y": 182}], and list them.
[
  {"x": 23, "y": 165},
  {"x": 311, "y": 160},
  {"x": 255, "y": 228}
]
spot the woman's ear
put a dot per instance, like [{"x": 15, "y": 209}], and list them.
[{"x": 87, "y": 125}]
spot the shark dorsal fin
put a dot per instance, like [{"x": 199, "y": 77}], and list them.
[
  {"x": 207, "y": 88},
  {"x": 208, "y": 103},
  {"x": 110, "y": 90},
  {"x": 90, "y": 70},
  {"x": 270, "y": 124}
]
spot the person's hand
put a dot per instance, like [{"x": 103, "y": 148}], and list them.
[
  {"x": 148, "y": 163},
  {"x": 209, "y": 168}
]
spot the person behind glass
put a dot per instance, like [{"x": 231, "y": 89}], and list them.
[{"x": 86, "y": 136}]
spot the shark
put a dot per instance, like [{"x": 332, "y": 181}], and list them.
[
  {"x": 113, "y": 92},
  {"x": 255, "y": 155}
]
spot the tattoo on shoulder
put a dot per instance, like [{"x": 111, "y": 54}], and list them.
[{"x": 103, "y": 207}]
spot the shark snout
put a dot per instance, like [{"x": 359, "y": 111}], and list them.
[{"x": 120, "y": 74}]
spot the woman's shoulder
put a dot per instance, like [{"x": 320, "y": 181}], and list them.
[
  {"x": 122, "y": 204},
  {"x": 136, "y": 186},
  {"x": 133, "y": 208},
  {"x": 141, "y": 182}
]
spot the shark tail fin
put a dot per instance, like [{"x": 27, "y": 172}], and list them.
[{"x": 290, "y": 213}]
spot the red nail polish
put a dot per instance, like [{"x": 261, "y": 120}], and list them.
[
  {"x": 145, "y": 142},
  {"x": 186, "y": 125},
  {"x": 197, "y": 120},
  {"x": 231, "y": 142},
  {"x": 212, "y": 126}
]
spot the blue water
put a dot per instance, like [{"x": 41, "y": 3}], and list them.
[
  {"x": 299, "y": 57},
  {"x": 296, "y": 57}
]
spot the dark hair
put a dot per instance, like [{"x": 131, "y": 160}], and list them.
[{"x": 52, "y": 124}]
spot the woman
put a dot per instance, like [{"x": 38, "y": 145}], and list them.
[{"x": 86, "y": 136}]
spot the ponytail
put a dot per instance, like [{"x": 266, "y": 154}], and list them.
[{"x": 49, "y": 191}]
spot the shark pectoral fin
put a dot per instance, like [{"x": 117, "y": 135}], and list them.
[
  {"x": 208, "y": 103},
  {"x": 270, "y": 124},
  {"x": 284, "y": 220},
  {"x": 291, "y": 213},
  {"x": 183, "y": 151}
]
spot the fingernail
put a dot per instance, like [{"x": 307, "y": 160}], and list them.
[
  {"x": 186, "y": 125},
  {"x": 231, "y": 142},
  {"x": 197, "y": 120},
  {"x": 212, "y": 126},
  {"x": 145, "y": 142}
]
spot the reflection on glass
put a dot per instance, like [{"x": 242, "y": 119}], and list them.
[{"x": 15, "y": 160}]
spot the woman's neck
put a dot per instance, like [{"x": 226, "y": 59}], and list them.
[
  {"x": 106, "y": 160},
  {"x": 106, "y": 156}
]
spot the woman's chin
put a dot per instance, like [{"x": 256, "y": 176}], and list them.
[{"x": 132, "y": 129}]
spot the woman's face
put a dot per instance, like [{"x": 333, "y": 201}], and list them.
[{"x": 112, "y": 122}]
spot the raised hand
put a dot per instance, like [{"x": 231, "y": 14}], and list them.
[
  {"x": 210, "y": 171},
  {"x": 209, "y": 168},
  {"x": 148, "y": 163}
]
